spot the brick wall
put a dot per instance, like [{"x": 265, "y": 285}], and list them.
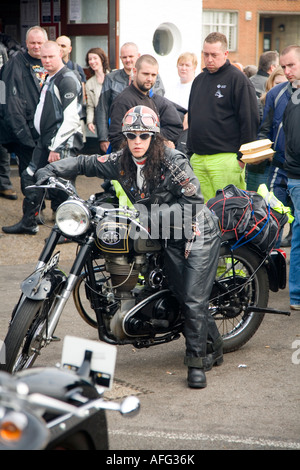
[{"x": 250, "y": 40}]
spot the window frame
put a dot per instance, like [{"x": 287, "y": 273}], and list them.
[{"x": 229, "y": 28}]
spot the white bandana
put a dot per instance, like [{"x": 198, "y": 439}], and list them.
[{"x": 139, "y": 166}]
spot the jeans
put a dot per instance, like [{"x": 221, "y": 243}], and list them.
[
  {"x": 294, "y": 278},
  {"x": 255, "y": 178}
]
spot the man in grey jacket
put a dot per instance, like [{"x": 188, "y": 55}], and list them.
[{"x": 268, "y": 61}]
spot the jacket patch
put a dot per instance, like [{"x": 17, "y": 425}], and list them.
[{"x": 102, "y": 158}]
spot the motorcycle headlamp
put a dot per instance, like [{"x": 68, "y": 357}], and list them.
[{"x": 73, "y": 218}]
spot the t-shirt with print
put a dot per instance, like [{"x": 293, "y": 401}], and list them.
[{"x": 37, "y": 67}]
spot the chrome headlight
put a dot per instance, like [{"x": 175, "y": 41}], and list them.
[{"x": 73, "y": 218}]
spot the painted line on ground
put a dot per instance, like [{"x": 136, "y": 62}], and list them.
[{"x": 249, "y": 441}]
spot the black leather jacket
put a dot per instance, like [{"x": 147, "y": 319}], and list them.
[
  {"x": 178, "y": 185},
  {"x": 22, "y": 96},
  {"x": 115, "y": 82},
  {"x": 190, "y": 272}
]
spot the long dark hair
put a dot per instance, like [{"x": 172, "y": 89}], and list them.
[{"x": 152, "y": 169}]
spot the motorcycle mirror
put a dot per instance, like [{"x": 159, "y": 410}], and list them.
[{"x": 130, "y": 406}]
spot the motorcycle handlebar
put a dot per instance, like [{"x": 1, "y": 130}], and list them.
[{"x": 54, "y": 183}]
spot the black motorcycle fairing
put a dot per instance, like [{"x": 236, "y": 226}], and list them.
[
  {"x": 88, "y": 433},
  {"x": 56, "y": 383}
]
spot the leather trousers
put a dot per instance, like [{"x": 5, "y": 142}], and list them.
[{"x": 191, "y": 282}]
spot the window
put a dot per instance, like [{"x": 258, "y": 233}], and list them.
[
  {"x": 166, "y": 39},
  {"x": 88, "y": 11},
  {"x": 223, "y": 22}
]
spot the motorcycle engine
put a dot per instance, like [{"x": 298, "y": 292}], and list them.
[
  {"x": 144, "y": 308},
  {"x": 124, "y": 273}
]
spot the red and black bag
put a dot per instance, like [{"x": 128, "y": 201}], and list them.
[{"x": 246, "y": 217}]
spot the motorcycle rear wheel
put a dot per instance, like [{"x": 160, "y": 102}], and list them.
[{"x": 237, "y": 287}]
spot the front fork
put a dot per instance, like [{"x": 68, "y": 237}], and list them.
[{"x": 72, "y": 278}]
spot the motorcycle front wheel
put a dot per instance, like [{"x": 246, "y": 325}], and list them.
[
  {"x": 241, "y": 282},
  {"x": 17, "y": 355},
  {"x": 26, "y": 334}
]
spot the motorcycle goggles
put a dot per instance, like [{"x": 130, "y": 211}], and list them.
[
  {"x": 142, "y": 136},
  {"x": 143, "y": 122}
]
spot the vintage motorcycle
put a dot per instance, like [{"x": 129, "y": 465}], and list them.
[
  {"x": 62, "y": 408},
  {"x": 120, "y": 288}
]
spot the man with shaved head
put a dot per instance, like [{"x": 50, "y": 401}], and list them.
[
  {"x": 23, "y": 76},
  {"x": 65, "y": 45},
  {"x": 57, "y": 121}
]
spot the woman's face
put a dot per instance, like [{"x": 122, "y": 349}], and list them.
[
  {"x": 95, "y": 62},
  {"x": 186, "y": 71},
  {"x": 138, "y": 147},
  {"x": 279, "y": 79}
]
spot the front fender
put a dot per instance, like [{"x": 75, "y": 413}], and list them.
[{"x": 39, "y": 286}]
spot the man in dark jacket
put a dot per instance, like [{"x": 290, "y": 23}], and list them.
[
  {"x": 222, "y": 115},
  {"x": 137, "y": 93},
  {"x": 57, "y": 122},
  {"x": 23, "y": 76},
  {"x": 114, "y": 83},
  {"x": 290, "y": 62}
]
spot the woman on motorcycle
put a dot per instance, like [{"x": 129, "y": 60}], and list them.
[{"x": 156, "y": 176}]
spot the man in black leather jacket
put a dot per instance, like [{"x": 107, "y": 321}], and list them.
[
  {"x": 23, "y": 76},
  {"x": 115, "y": 82},
  {"x": 152, "y": 174},
  {"x": 57, "y": 122}
]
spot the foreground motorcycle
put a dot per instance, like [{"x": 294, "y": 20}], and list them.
[
  {"x": 61, "y": 408},
  {"x": 119, "y": 285}
]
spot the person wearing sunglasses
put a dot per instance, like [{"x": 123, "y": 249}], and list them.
[{"x": 161, "y": 179}]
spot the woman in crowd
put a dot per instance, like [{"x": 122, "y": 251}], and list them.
[{"x": 97, "y": 62}]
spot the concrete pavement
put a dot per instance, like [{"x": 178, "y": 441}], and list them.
[{"x": 251, "y": 402}]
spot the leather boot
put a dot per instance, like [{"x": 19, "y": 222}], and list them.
[
  {"x": 196, "y": 378},
  {"x": 27, "y": 224},
  {"x": 22, "y": 228},
  {"x": 214, "y": 354}
]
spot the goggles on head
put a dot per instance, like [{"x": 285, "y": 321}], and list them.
[
  {"x": 140, "y": 118},
  {"x": 146, "y": 119}
]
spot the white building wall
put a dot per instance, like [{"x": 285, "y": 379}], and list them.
[{"x": 139, "y": 19}]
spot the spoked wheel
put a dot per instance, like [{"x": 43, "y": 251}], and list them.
[
  {"x": 239, "y": 284},
  {"x": 25, "y": 329}
]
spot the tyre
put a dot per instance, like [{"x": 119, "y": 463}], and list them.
[
  {"x": 241, "y": 282},
  {"x": 18, "y": 341}
]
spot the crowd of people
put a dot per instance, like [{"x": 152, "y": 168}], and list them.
[{"x": 140, "y": 126}]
